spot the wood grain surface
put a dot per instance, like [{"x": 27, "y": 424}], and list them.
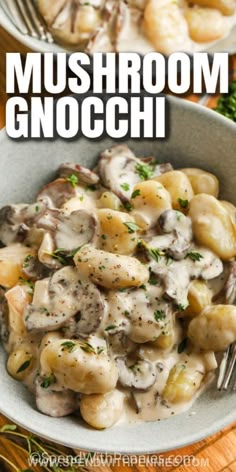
[{"x": 214, "y": 454}]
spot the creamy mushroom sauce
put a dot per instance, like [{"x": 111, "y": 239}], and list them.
[
  {"x": 145, "y": 25},
  {"x": 113, "y": 301}
]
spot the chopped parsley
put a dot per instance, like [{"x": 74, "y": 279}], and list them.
[
  {"x": 24, "y": 281},
  {"x": 127, "y": 205},
  {"x": 159, "y": 315},
  {"x": 110, "y": 327},
  {"x": 104, "y": 237},
  {"x": 47, "y": 381},
  {"x": 194, "y": 256},
  {"x": 132, "y": 227},
  {"x": 135, "y": 193},
  {"x": 125, "y": 186},
  {"x": 86, "y": 347},
  {"x": 73, "y": 180},
  {"x": 69, "y": 345},
  {"x": 24, "y": 366},
  {"x": 155, "y": 253},
  {"x": 26, "y": 261},
  {"x": 181, "y": 307},
  {"x": 144, "y": 171},
  {"x": 183, "y": 203}
]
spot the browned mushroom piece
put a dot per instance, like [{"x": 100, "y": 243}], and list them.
[
  {"x": 141, "y": 375},
  {"x": 34, "y": 269},
  {"x": 54, "y": 403},
  {"x": 68, "y": 231},
  {"x": 15, "y": 221},
  {"x": 175, "y": 222},
  {"x": 120, "y": 170},
  {"x": 59, "y": 298},
  {"x": 56, "y": 193},
  {"x": 83, "y": 174},
  {"x": 71, "y": 21}
]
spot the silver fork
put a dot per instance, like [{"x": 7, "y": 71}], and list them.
[
  {"x": 226, "y": 368},
  {"x": 27, "y": 19}
]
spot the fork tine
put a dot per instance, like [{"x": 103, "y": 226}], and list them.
[
  {"x": 35, "y": 19},
  {"x": 26, "y": 18},
  {"x": 230, "y": 359}
]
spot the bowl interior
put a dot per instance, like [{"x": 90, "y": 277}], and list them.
[{"x": 198, "y": 138}]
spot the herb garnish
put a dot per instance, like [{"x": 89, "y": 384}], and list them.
[
  {"x": 125, "y": 186},
  {"x": 110, "y": 327},
  {"x": 159, "y": 315},
  {"x": 144, "y": 171},
  {"x": 27, "y": 282},
  {"x": 183, "y": 203},
  {"x": 27, "y": 259},
  {"x": 69, "y": 345},
  {"x": 132, "y": 227},
  {"x": 135, "y": 193},
  {"x": 127, "y": 205},
  {"x": 73, "y": 180},
  {"x": 24, "y": 366},
  {"x": 194, "y": 256},
  {"x": 86, "y": 347},
  {"x": 47, "y": 381}
]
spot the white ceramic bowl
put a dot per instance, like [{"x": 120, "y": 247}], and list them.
[
  {"x": 227, "y": 44},
  {"x": 198, "y": 137}
]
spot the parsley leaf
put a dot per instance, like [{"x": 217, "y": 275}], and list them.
[
  {"x": 194, "y": 256},
  {"x": 132, "y": 227},
  {"x": 183, "y": 203},
  {"x": 69, "y": 345},
  {"x": 125, "y": 186},
  {"x": 73, "y": 180},
  {"x": 24, "y": 366},
  {"x": 47, "y": 381},
  {"x": 144, "y": 171},
  {"x": 159, "y": 315},
  {"x": 135, "y": 193}
]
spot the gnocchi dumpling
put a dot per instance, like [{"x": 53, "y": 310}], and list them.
[
  {"x": 202, "y": 181},
  {"x": 179, "y": 187},
  {"x": 183, "y": 381},
  {"x": 110, "y": 270},
  {"x": 151, "y": 199},
  {"x": 227, "y": 7},
  {"x": 205, "y": 24},
  {"x": 115, "y": 234},
  {"x": 83, "y": 367},
  {"x": 102, "y": 410},
  {"x": 213, "y": 226},
  {"x": 215, "y": 328}
]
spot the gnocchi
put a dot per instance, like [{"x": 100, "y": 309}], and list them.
[
  {"x": 144, "y": 25},
  {"x": 115, "y": 311}
]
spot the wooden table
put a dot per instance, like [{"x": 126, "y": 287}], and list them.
[{"x": 216, "y": 453}]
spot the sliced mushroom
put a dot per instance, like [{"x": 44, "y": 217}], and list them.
[
  {"x": 34, "y": 269},
  {"x": 71, "y": 231},
  {"x": 180, "y": 226},
  {"x": 56, "y": 193},
  {"x": 141, "y": 375},
  {"x": 120, "y": 170},
  {"x": 177, "y": 276},
  {"x": 62, "y": 296},
  {"x": 83, "y": 174},
  {"x": 54, "y": 403},
  {"x": 15, "y": 221}
]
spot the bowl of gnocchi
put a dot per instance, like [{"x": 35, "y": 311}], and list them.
[
  {"x": 117, "y": 275},
  {"x": 143, "y": 25}
]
